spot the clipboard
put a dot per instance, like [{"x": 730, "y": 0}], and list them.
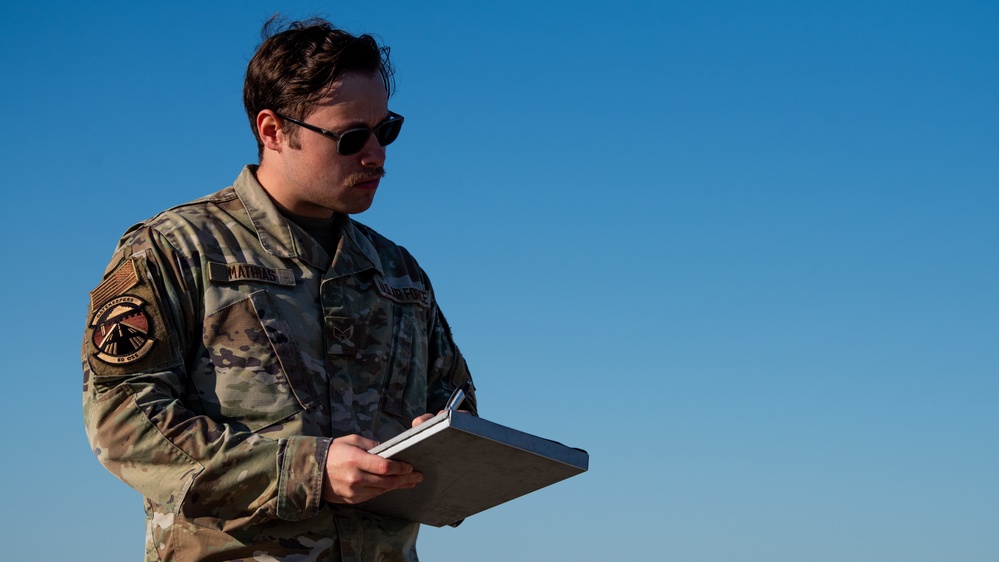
[{"x": 470, "y": 465}]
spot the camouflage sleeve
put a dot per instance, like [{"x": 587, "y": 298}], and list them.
[
  {"x": 140, "y": 422},
  {"x": 447, "y": 367}
]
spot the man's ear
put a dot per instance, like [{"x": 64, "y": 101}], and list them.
[{"x": 269, "y": 129}]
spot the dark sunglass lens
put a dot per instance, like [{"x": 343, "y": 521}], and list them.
[
  {"x": 351, "y": 142},
  {"x": 388, "y": 132}
]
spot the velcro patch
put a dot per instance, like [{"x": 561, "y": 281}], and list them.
[
  {"x": 234, "y": 272},
  {"x": 121, "y": 331},
  {"x": 404, "y": 295},
  {"x": 127, "y": 332},
  {"x": 344, "y": 335},
  {"x": 123, "y": 279}
]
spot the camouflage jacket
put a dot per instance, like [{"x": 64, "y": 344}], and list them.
[{"x": 224, "y": 350}]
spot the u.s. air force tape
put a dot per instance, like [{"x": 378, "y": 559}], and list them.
[{"x": 406, "y": 295}]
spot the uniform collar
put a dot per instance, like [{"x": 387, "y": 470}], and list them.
[
  {"x": 355, "y": 252},
  {"x": 279, "y": 237}
]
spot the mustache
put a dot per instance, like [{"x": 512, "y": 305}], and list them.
[{"x": 366, "y": 175}]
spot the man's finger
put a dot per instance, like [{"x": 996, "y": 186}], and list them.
[
  {"x": 357, "y": 441},
  {"x": 382, "y": 467}
]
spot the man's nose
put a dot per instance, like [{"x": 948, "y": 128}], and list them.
[{"x": 373, "y": 153}]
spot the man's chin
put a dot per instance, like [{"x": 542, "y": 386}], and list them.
[{"x": 357, "y": 207}]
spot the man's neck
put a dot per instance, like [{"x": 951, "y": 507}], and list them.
[{"x": 282, "y": 198}]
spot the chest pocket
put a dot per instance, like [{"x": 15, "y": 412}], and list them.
[
  {"x": 258, "y": 378},
  {"x": 378, "y": 360},
  {"x": 407, "y": 370}
]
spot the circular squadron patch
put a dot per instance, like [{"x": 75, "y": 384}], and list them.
[{"x": 120, "y": 331}]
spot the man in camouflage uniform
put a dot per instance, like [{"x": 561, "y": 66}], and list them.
[{"x": 244, "y": 351}]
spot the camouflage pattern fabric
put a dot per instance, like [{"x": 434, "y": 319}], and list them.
[{"x": 225, "y": 350}]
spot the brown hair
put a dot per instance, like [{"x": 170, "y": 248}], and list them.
[{"x": 295, "y": 65}]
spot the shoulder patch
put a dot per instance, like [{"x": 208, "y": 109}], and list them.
[
  {"x": 127, "y": 332},
  {"x": 121, "y": 331},
  {"x": 123, "y": 279}
]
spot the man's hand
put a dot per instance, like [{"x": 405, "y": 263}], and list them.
[
  {"x": 353, "y": 475},
  {"x": 425, "y": 417}
]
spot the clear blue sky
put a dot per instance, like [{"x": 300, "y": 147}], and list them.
[{"x": 744, "y": 253}]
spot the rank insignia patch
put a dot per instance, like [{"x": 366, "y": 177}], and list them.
[
  {"x": 344, "y": 335},
  {"x": 121, "y": 331}
]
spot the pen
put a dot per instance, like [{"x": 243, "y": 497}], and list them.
[{"x": 458, "y": 396}]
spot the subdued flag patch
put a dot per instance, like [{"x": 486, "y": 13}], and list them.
[{"x": 123, "y": 279}]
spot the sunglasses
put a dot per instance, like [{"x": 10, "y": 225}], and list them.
[{"x": 352, "y": 141}]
